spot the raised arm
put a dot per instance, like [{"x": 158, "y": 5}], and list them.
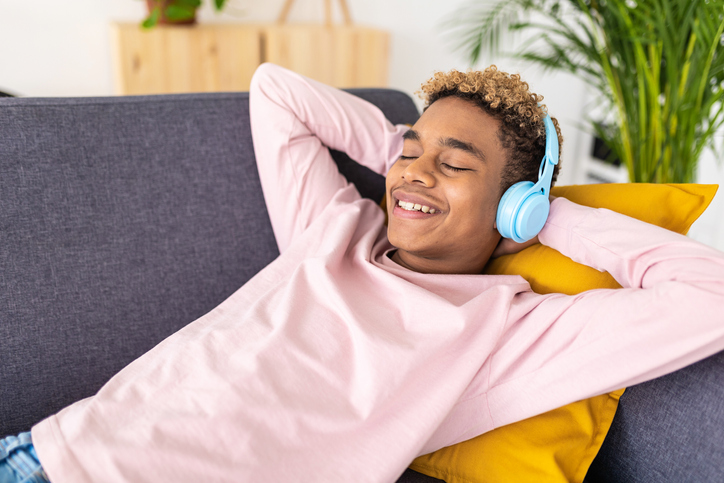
[
  {"x": 668, "y": 315},
  {"x": 293, "y": 121}
]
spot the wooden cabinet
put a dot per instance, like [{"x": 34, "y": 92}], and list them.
[
  {"x": 202, "y": 58},
  {"x": 342, "y": 56},
  {"x": 223, "y": 57}
]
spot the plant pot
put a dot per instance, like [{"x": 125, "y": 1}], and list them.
[{"x": 162, "y": 18}]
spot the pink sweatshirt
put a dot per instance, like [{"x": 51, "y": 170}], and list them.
[{"x": 334, "y": 364}]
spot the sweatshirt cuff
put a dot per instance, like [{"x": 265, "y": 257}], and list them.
[{"x": 563, "y": 217}]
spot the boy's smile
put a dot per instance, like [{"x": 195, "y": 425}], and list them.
[{"x": 444, "y": 190}]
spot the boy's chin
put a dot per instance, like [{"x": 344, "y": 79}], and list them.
[{"x": 400, "y": 243}]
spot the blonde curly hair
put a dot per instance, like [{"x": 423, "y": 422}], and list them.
[{"x": 507, "y": 98}]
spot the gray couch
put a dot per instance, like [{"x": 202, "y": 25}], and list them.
[{"x": 123, "y": 219}]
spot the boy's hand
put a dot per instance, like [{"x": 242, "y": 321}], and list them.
[{"x": 508, "y": 246}]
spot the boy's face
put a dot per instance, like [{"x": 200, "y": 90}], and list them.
[{"x": 452, "y": 163}]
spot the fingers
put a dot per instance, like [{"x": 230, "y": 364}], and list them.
[{"x": 509, "y": 247}]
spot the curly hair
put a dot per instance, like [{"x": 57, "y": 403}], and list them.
[{"x": 507, "y": 98}]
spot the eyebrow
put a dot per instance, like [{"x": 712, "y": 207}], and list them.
[
  {"x": 448, "y": 142},
  {"x": 411, "y": 135}
]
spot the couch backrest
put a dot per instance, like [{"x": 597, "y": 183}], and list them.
[{"x": 122, "y": 220}]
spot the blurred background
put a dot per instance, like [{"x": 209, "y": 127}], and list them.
[{"x": 54, "y": 48}]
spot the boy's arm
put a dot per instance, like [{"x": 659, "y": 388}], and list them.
[
  {"x": 293, "y": 121},
  {"x": 668, "y": 315}
]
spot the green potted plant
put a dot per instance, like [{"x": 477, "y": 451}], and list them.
[
  {"x": 178, "y": 12},
  {"x": 659, "y": 64}
]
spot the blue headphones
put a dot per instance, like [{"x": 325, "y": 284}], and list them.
[{"x": 523, "y": 209}]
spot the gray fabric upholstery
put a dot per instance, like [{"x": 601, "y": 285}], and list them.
[
  {"x": 121, "y": 221},
  {"x": 668, "y": 430}
]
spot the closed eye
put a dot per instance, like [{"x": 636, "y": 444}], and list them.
[
  {"x": 445, "y": 165},
  {"x": 453, "y": 168}
]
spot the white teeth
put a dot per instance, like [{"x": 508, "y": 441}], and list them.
[{"x": 415, "y": 207}]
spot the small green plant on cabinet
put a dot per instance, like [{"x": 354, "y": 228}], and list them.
[{"x": 174, "y": 11}]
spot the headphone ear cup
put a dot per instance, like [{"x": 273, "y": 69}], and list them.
[
  {"x": 531, "y": 216},
  {"x": 509, "y": 206},
  {"x": 522, "y": 212}
]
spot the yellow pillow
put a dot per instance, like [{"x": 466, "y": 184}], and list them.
[{"x": 561, "y": 444}]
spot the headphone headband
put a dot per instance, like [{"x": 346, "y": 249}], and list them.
[
  {"x": 550, "y": 159},
  {"x": 551, "y": 139}
]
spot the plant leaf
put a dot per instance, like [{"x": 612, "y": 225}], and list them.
[
  {"x": 483, "y": 26},
  {"x": 152, "y": 19}
]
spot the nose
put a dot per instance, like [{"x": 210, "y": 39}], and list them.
[{"x": 420, "y": 171}]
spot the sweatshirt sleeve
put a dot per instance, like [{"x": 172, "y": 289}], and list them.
[
  {"x": 293, "y": 121},
  {"x": 669, "y": 314}
]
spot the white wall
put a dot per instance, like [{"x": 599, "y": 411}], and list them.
[
  {"x": 62, "y": 48},
  {"x": 709, "y": 228}
]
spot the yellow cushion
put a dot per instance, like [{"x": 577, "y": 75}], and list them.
[{"x": 561, "y": 444}]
